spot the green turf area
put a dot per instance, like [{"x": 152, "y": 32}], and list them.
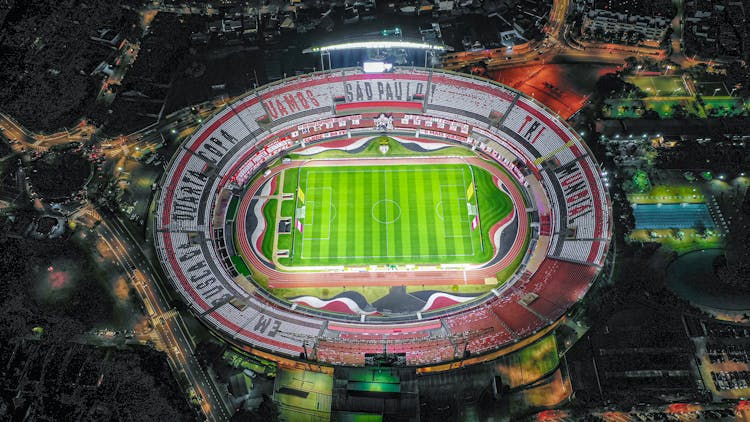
[
  {"x": 232, "y": 208},
  {"x": 287, "y": 208},
  {"x": 711, "y": 88},
  {"x": 660, "y": 86},
  {"x": 676, "y": 107},
  {"x": 357, "y": 417},
  {"x": 290, "y": 180},
  {"x": 240, "y": 266},
  {"x": 303, "y": 395},
  {"x": 668, "y": 194},
  {"x": 380, "y": 375},
  {"x": 269, "y": 213},
  {"x": 395, "y": 149},
  {"x": 374, "y": 215},
  {"x": 690, "y": 241},
  {"x": 530, "y": 363},
  {"x": 505, "y": 274}
]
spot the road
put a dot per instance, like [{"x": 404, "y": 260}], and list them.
[
  {"x": 40, "y": 142},
  {"x": 168, "y": 323},
  {"x": 560, "y": 47}
]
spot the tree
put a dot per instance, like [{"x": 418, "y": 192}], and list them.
[{"x": 267, "y": 411}]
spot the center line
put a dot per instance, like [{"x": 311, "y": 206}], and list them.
[{"x": 385, "y": 194}]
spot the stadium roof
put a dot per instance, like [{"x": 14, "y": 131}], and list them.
[{"x": 419, "y": 45}]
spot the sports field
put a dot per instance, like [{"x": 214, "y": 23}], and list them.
[
  {"x": 393, "y": 214},
  {"x": 661, "y": 86}
]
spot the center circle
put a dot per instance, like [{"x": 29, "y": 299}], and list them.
[{"x": 386, "y": 211}]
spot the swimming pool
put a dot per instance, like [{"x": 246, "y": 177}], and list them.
[{"x": 667, "y": 216}]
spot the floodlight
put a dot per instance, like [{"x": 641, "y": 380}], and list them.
[{"x": 376, "y": 67}]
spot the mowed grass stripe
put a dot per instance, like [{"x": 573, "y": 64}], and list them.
[
  {"x": 458, "y": 192},
  {"x": 360, "y": 231},
  {"x": 463, "y": 227},
  {"x": 406, "y": 232},
  {"x": 396, "y": 227},
  {"x": 438, "y": 178},
  {"x": 421, "y": 180},
  {"x": 374, "y": 192},
  {"x": 315, "y": 218},
  {"x": 416, "y": 236},
  {"x": 448, "y": 204},
  {"x": 474, "y": 239},
  {"x": 312, "y": 215},
  {"x": 453, "y": 216},
  {"x": 371, "y": 192},
  {"x": 346, "y": 219}
]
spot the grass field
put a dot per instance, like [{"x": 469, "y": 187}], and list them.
[
  {"x": 530, "y": 363},
  {"x": 303, "y": 395},
  {"x": 393, "y": 215},
  {"x": 395, "y": 150},
  {"x": 660, "y": 86},
  {"x": 712, "y": 89},
  {"x": 268, "y": 212}
]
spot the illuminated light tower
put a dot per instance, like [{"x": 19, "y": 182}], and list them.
[{"x": 325, "y": 51}]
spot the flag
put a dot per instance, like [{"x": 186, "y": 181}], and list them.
[
  {"x": 475, "y": 222},
  {"x": 299, "y": 225},
  {"x": 301, "y": 195},
  {"x": 470, "y": 191}
]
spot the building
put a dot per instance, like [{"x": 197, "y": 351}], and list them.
[
  {"x": 716, "y": 28},
  {"x": 650, "y": 27},
  {"x": 626, "y": 20}
]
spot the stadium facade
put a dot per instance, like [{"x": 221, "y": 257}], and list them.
[{"x": 562, "y": 213}]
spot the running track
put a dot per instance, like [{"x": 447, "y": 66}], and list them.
[{"x": 280, "y": 279}]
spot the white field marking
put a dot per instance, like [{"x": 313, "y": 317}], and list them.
[
  {"x": 461, "y": 202},
  {"x": 372, "y": 212},
  {"x": 385, "y": 194},
  {"x": 463, "y": 180},
  {"x": 305, "y": 226}
]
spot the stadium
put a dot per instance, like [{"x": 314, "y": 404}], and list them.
[{"x": 416, "y": 216}]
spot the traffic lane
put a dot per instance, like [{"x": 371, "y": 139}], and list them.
[
  {"x": 175, "y": 348},
  {"x": 179, "y": 341}
]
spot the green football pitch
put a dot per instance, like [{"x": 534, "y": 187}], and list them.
[{"x": 393, "y": 214}]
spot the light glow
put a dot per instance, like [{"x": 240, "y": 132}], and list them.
[
  {"x": 376, "y": 67},
  {"x": 377, "y": 44}
]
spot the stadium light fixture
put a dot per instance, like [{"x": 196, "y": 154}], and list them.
[{"x": 376, "y": 67}]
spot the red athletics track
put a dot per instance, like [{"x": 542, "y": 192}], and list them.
[{"x": 280, "y": 279}]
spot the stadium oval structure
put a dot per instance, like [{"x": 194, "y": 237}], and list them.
[{"x": 561, "y": 216}]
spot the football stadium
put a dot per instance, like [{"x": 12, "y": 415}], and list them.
[{"x": 417, "y": 217}]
